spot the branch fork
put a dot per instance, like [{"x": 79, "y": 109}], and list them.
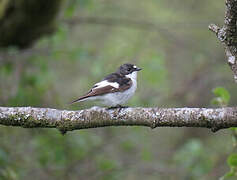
[{"x": 227, "y": 35}]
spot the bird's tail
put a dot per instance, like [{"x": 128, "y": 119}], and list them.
[{"x": 80, "y": 99}]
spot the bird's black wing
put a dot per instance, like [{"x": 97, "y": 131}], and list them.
[{"x": 110, "y": 84}]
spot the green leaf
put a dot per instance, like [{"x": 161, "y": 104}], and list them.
[
  {"x": 227, "y": 175},
  {"x": 222, "y": 93},
  {"x": 232, "y": 160}
]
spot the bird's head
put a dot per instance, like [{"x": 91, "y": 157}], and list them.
[{"x": 127, "y": 68}]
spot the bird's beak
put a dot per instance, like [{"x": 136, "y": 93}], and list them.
[{"x": 138, "y": 69}]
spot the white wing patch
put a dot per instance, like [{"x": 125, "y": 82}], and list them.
[{"x": 106, "y": 83}]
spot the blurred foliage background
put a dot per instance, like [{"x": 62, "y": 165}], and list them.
[{"x": 182, "y": 63}]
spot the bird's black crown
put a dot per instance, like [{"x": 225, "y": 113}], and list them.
[{"x": 127, "y": 68}]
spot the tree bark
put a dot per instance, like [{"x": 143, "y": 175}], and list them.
[
  {"x": 64, "y": 120},
  {"x": 228, "y": 34},
  {"x": 22, "y": 22}
]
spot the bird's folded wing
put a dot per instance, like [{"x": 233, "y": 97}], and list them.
[
  {"x": 101, "y": 90},
  {"x": 105, "y": 87},
  {"x": 97, "y": 92}
]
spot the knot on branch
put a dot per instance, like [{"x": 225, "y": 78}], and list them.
[
  {"x": 214, "y": 28},
  {"x": 221, "y": 35},
  {"x": 231, "y": 60}
]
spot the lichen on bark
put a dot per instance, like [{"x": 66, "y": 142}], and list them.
[
  {"x": 63, "y": 120},
  {"x": 228, "y": 35}
]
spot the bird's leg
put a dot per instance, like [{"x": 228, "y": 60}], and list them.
[
  {"x": 110, "y": 108},
  {"x": 121, "y": 107},
  {"x": 118, "y": 106}
]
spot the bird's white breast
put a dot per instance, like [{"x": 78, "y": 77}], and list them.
[{"x": 133, "y": 77}]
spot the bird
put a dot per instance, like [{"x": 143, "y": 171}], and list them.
[{"x": 115, "y": 89}]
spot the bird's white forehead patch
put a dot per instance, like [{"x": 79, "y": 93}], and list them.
[
  {"x": 106, "y": 83},
  {"x": 134, "y": 66}
]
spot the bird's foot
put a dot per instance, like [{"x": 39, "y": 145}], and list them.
[{"x": 119, "y": 107}]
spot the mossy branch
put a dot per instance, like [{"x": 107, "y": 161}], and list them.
[{"x": 64, "y": 120}]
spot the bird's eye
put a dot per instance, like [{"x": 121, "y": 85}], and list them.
[{"x": 129, "y": 69}]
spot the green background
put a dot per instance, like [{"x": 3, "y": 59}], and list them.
[{"x": 182, "y": 62}]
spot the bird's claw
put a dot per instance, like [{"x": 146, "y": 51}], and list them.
[{"x": 119, "y": 107}]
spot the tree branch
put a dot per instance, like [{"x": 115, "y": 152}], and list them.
[
  {"x": 228, "y": 34},
  {"x": 64, "y": 120}
]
